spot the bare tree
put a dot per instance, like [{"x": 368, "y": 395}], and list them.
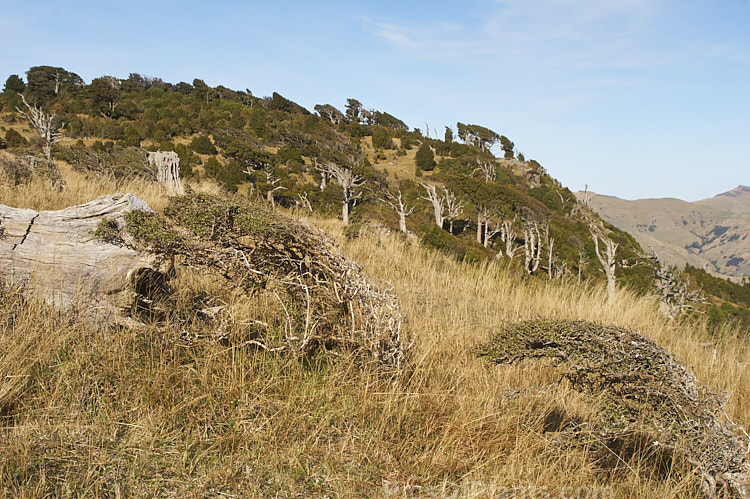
[
  {"x": 400, "y": 204},
  {"x": 453, "y": 206},
  {"x": 303, "y": 202},
  {"x": 348, "y": 180},
  {"x": 328, "y": 111},
  {"x": 272, "y": 180},
  {"x": 608, "y": 259},
  {"x": 44, "y": 124},
  {"x": 581, "y": 255},
  {"x": 487, "y": 168},
  {"x": 532, "y": 242},
  {"x": 438, "y": 203},
  {"x": 553, "y": 270},
  {"x": 492, "y": 227},
  {"x": 323, "y": 172},
  {"x": 483, "y": 214},
  {"x": 508, "y": 236}
]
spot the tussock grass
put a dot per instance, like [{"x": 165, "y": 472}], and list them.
[{"x": 187, "y": 410}]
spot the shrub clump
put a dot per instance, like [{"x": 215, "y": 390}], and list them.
[
  {"x": 319, "y": 299},
  {"x": 650, "y": 401}
]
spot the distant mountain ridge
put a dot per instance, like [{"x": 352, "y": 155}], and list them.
[{"x": 712, "y": 234}]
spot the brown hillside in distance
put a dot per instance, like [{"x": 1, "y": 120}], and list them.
[{"x": 712, "y": 234}]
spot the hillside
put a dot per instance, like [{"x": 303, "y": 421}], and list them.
[
  {"x": 469, "y": 193},
  {"x": 711, "y": 234},
  {"x": 354, "y": 310}
]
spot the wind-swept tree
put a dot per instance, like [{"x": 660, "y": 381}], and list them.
[
  {"x": 104, "y": 93},
  {"x": 507, "y": 146},
  {"x": 329, "y": 112}
]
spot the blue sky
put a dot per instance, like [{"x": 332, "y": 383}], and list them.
[{"x": 636, "y": 98}]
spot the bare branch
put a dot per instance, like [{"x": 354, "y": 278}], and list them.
[
  {"x": 438, "y": 203},
  {"x": 45, "y": 125}
]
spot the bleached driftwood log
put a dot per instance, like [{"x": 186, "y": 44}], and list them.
[
  {"x": 55, "y": 256},
  {"x": 167, "y": 165}
]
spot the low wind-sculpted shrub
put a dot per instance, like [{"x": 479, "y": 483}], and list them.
[{"x": 652, "y": 406}]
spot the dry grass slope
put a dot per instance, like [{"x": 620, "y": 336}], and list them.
[{"x": 114, "y": 412}]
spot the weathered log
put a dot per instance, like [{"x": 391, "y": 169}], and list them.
[{"x": 56, "y": 256}]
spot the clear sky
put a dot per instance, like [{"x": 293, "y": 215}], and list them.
[{"x": 636, "y": 98}]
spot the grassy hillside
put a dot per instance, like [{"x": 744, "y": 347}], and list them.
[{"x": 118, "y": 412}]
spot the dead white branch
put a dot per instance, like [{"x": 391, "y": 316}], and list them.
[
  {"x": 399, "y": 204},
  {"x": 438, "y": 203},
  {"x": 44, "y": 124}
]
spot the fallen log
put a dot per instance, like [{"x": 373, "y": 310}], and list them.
[{"x": 57, "y": 256}]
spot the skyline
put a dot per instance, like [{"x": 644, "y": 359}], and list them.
[{"x": 634, "y": 98}]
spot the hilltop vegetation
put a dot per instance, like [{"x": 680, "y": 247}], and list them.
[{"x": 481, "y": 207}]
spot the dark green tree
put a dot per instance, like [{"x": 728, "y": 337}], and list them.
[
  {"x": 353, "y": 110},
  {"x": 381, "y": 138},
  {"x": 14, "y": 84},
  {"x": 507, "y": 146},
  {"x": 202, "y": 145},
  {"x": 425, "y": 158},
  {"x": 104, "y": 93},
  {"x": 448, "y": 135},
  {"x": 47, "y": 82},
  {"x": 15, "y": 139}
]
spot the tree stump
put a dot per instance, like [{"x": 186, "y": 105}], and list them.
[
  {"x": 56, "y": 256},
  {"x": 167, "y": 165}
]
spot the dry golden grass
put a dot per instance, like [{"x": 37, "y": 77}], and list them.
[
  {"x": 37, "y": 194},
  {"x": 94, "y": 412}
]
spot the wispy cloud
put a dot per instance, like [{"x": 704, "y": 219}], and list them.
[{"x": 551, "y": 36}]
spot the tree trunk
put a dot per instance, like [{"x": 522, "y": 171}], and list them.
[
  {"x": 345, "y": 212},
  {"x": 402, "y": 221},
  {"x": 167, "y": 170},
  {"x": 55, "y": 256}
]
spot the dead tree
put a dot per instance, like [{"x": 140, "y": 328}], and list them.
[
  {"x": 453, "y": 208},
  {"x": 532, "y": 243},
  {"x": 167, "y": 164},
  {"x": 400, "y": 204},
  {"x": 608, "y": 259},
  {"x": 348, "y": 180},
  {"x": 492, "y": 227},
  {"x": 675, "y": 296},
  {"x": 438, "y": 203},
  {"x": 483, "y": 214},
  {"x": 323, "y": 173},
  {"x": 581, "y": 255},
  {"x": 44, "y": 124},
  {"x": 551, "y": 260},
  {"x": 488, "y": 169},
  {"x": 508, "y": 236},
  {"x": 272, "y": 180},
  {"x": 303, "y": 202}
]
